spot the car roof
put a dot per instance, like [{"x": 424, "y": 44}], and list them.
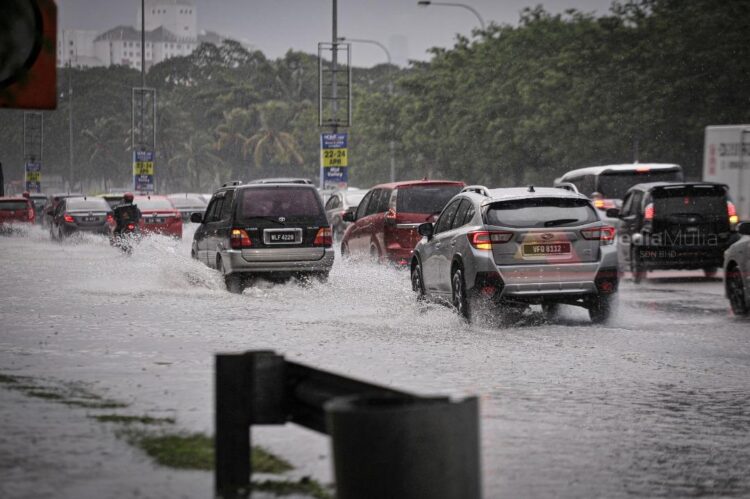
[
  {"x": 509, "y": 193},
  {"x": 84, "y": 198},
  {"x": 647, "y": 186},
  {"x": 150, "y": 196},
  {"x": 13, "y": 198},
  {"x": 409, "y": 183},
  {"x": 282, "y": 180},
  {"x": 595, "y": 170}
]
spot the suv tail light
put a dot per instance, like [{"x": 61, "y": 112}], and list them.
[
  {"x": 604, "y": 204},
  {"x": 324, "y": 237},
  {"x": 110, "y": 219},
  {"x": 239, "y": 239},
  {"x": 131, "y": 226},
  {"x": 605, "y": 235},
  {"x": 732, "y": 212},
  {"x": 391, "y": 217},
  {"x": 648, "y": 214},
  {"x": 483, "y": 239},
  {"x": 68, "y": 218}
]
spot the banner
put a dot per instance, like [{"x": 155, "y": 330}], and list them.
[
  {"x": 33, "y": 177},
  {"x": 334, "y": 160},
  {"x": 143, "y": 171}
]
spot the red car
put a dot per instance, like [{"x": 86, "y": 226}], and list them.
[
  {"x": 384, "y": 226},
  {"x": 159, "y": 216},
  {"x": 15, "y": 211}
]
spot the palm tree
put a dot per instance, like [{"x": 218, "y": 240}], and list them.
[
  {"x": 272, "y": 144},
  {"x": 195, "y": 156},
  {"x": 104, "y": 151},
  {"x": 232, "y": 134}
]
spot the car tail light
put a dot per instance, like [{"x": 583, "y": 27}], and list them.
[
  {"x": 110, "y": 219},
  {"x": 649, "y": 213},
  {"x": 607, "y": 280},
  {"x": 732, "y": 212},
  {"x": 391, "y": 216},
  {"x": 131, "y": 226},
  {"x": 68, "y": 218},
  {"x": 324, "y": 237},
  {"x": 604, "y": 204},
  {"x": 483, "y": 239},
  {"x": 606, "y": 234},
  {"x": 643, "y": 169},
  {"x": 31, "y": 214},
  {"x": 239, "y": 239}
]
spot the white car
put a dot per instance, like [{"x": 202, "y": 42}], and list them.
[{"x": 737, "y": 272}]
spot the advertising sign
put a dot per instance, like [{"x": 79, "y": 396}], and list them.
[
  {"x": 334, "y": 159},
  {"x": 34, "y": 177},
  {"x": 143, "y": 171}
]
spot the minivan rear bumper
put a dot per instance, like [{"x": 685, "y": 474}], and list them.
[{"x": 315, "y": 259}]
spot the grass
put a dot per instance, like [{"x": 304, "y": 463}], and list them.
[{"x": 123, "y": 419}]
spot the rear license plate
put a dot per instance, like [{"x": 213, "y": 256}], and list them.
[
  {"x": 155, "y": 220},
  {"x": 546, "y": 249},
  {"x": 90, "y": 219},
  {"x": 281, "y": 237}
]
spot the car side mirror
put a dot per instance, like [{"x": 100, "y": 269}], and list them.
[
  {"x": 613, "y": 212},
  {"x": 349, "y": 215},
  {"x": 744, "y": 228},
  {"x": 196, "y": 218},
  {"x": 426, "y": 229}
]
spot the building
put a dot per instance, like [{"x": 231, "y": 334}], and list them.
[
  {"x": 122, "y": 46},
  {"x": 76, "y": 47}
]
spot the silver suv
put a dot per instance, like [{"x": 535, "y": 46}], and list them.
[
  {"x": 272, "y": 230},
  {"x": 515, "y": 247}
]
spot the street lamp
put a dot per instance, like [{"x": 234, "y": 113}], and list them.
[
  {"x": 426, "y": 3},
  {"x": 391, "y": 143}
]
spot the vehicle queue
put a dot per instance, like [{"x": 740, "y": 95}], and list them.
[{"x": 471, "y": 247}]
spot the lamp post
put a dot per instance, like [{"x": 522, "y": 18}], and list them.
[
  {"x": 426, "y": 3},
  {"x": 391, "y": 143}
]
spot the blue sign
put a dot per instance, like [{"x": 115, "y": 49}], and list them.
[
  {"x": 333, "y": 140},
  {"x": 143, "y": 171},
  {"x": 336, "y": 175},
  {"x": 34, "y": 177}
]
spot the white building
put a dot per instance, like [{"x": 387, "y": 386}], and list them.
[
  {"x": 122, "y": 46},
  {"x": 76, "y": 47},
  {"x": 177, "y": 16}
]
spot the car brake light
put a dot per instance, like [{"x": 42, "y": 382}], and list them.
[
  {"x": 239, "y": 239},
  {"x": 604, "y": 204},
  {"x": 131, "y": 226},
  {"x": 606, "y": 234},
  {"x": 649, "y": 213},
  {"x": 732, "y": 212},
  {"x": 643, "y": 169},
  {"x": 483, "y": 239},
  {"x": 68, "y": 218},
  {"x": 324, "y": 237},
  {"x": 110, "y": 219},
  {"x": 391, "y": 214},
  {"x": 31, "y": 214}
]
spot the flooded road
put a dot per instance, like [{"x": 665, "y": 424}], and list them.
[{"x": 657, "y": 403}]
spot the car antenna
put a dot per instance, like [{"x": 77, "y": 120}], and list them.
[{"x": 531, "y": 188}]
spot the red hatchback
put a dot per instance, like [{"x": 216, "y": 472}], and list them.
[
  {"x": 15, "y": 211},
  {"x": 159, "y": 216},
  {"x": 386, "y": 220}
]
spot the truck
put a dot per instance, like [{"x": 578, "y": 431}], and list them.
[{"x": 726, "y": 159}]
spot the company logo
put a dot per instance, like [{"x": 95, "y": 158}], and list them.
[
  {"x": 547, "y": 236},
  {"x": 282, "y": 219}
]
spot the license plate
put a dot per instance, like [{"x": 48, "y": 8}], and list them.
[
  {"x": 90, "y": 219},
  {"x": 155, "y": 220},
  {"x": 281, "y": 237},
  {"x": 546, "y": 249}
]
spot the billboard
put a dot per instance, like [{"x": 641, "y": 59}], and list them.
[{"x": 143, "y": 171}]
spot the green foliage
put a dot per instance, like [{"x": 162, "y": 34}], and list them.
[{"x": 513, "y": 105}]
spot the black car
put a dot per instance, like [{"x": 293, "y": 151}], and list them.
[
  {"x": 270, "y": 230},
  {"x": 671, "y": 225},
  {"x": 53, "y": 200},
  {"x": 80, "y": 214}
]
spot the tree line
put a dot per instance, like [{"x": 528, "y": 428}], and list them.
[{"x": 510, "y": 105}]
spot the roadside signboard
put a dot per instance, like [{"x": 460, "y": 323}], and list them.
[
  {"x": 143, "y": 171},
  {"x": 33, "y": 176},
  {"x": 334, "y": 160}
]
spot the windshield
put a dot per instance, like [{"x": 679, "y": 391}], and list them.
[
  {"x": 153, "y": 204},
  {"x": 91, "y": 204},
  {"x": 541, "y": 212},
  {"x": 277, "y": 202},
  {"x": 701, "y": 201},
  {"x": 425, "y": 198},
  {"x": 13, "y": 205},
  {"x": 614, "y": 185}
]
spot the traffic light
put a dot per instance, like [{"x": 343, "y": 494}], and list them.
[{"x": 28, "y": 73}]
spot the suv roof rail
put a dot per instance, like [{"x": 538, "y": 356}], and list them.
[
  {"x": 568, "y": 186},
  {"x": 479, "y": 189},
  {"x": 232, "y": 183}
]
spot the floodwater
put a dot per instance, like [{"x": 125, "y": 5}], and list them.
[{"x": 657, "y": 403}]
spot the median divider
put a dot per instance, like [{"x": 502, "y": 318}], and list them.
[{"x": 386, "y": 442}]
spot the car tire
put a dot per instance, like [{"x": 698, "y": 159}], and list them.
[
  {"x": 636, "y": 267},
  {"x": 60, "y": 234},
  {"x": 417, "y": 281},
  {"x": 602, "y": 308},
  {"x": 551, "y": 310},
  {"x": 736, "y": 291},
  {"x": 233, "y": 282},
  {"x": 710, "y": 272},
  {"x": 460, "y": 300}
]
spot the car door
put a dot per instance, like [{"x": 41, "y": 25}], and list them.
[
  {"x": 356, "y": 235},
  {"x": 377, "y": 222},
  {"x": 201, "y": 233},
  {"x": 439, "y": 246},
  {"x": 630, "y": 224},
  {"x": 213, "y": 224}
]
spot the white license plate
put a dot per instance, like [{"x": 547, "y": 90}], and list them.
[
  {"x": 154, "y": 220},
  {"x": 546, "y": 249},
  {"x": 281, "y": 237},
  {"x": 90, "y": 219}
]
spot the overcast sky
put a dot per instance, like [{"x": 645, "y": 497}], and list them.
[{"x": 275, "y": 26}]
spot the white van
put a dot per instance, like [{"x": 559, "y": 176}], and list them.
[{"x": 607, "y": 184}]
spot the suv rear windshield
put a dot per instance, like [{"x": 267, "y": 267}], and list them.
[
  {"x": 541, "y": 212},
  {"x": 13, "y": 205},
  {"x": 691, "y": 200},
  {"x": 614, "y": 185},
  {"x": 97, "y": 204},
  {"x": 425, "y": 198},
  {"x": 153, "y": 204},
  {"x": 276, "y": 202}
]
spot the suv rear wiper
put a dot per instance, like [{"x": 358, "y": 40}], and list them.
[
  {"x": 559, "y": 221},
  {"x": 262, "y": 217}
]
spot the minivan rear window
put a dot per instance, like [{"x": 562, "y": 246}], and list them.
[
  {"x": 275, "y": 202},
  {"x": 614, "y": 185},
  {"x": 541, "y": 212},
  {"x": 425, "y": 198},
  {"x": 13, "y": 205},
  {"x": 691, "y": 200}
]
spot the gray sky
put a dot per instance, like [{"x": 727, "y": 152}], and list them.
[{"x": 275, "y": 26}]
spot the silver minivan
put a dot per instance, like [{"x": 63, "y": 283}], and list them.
[{"x": 514, "y": 247}]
